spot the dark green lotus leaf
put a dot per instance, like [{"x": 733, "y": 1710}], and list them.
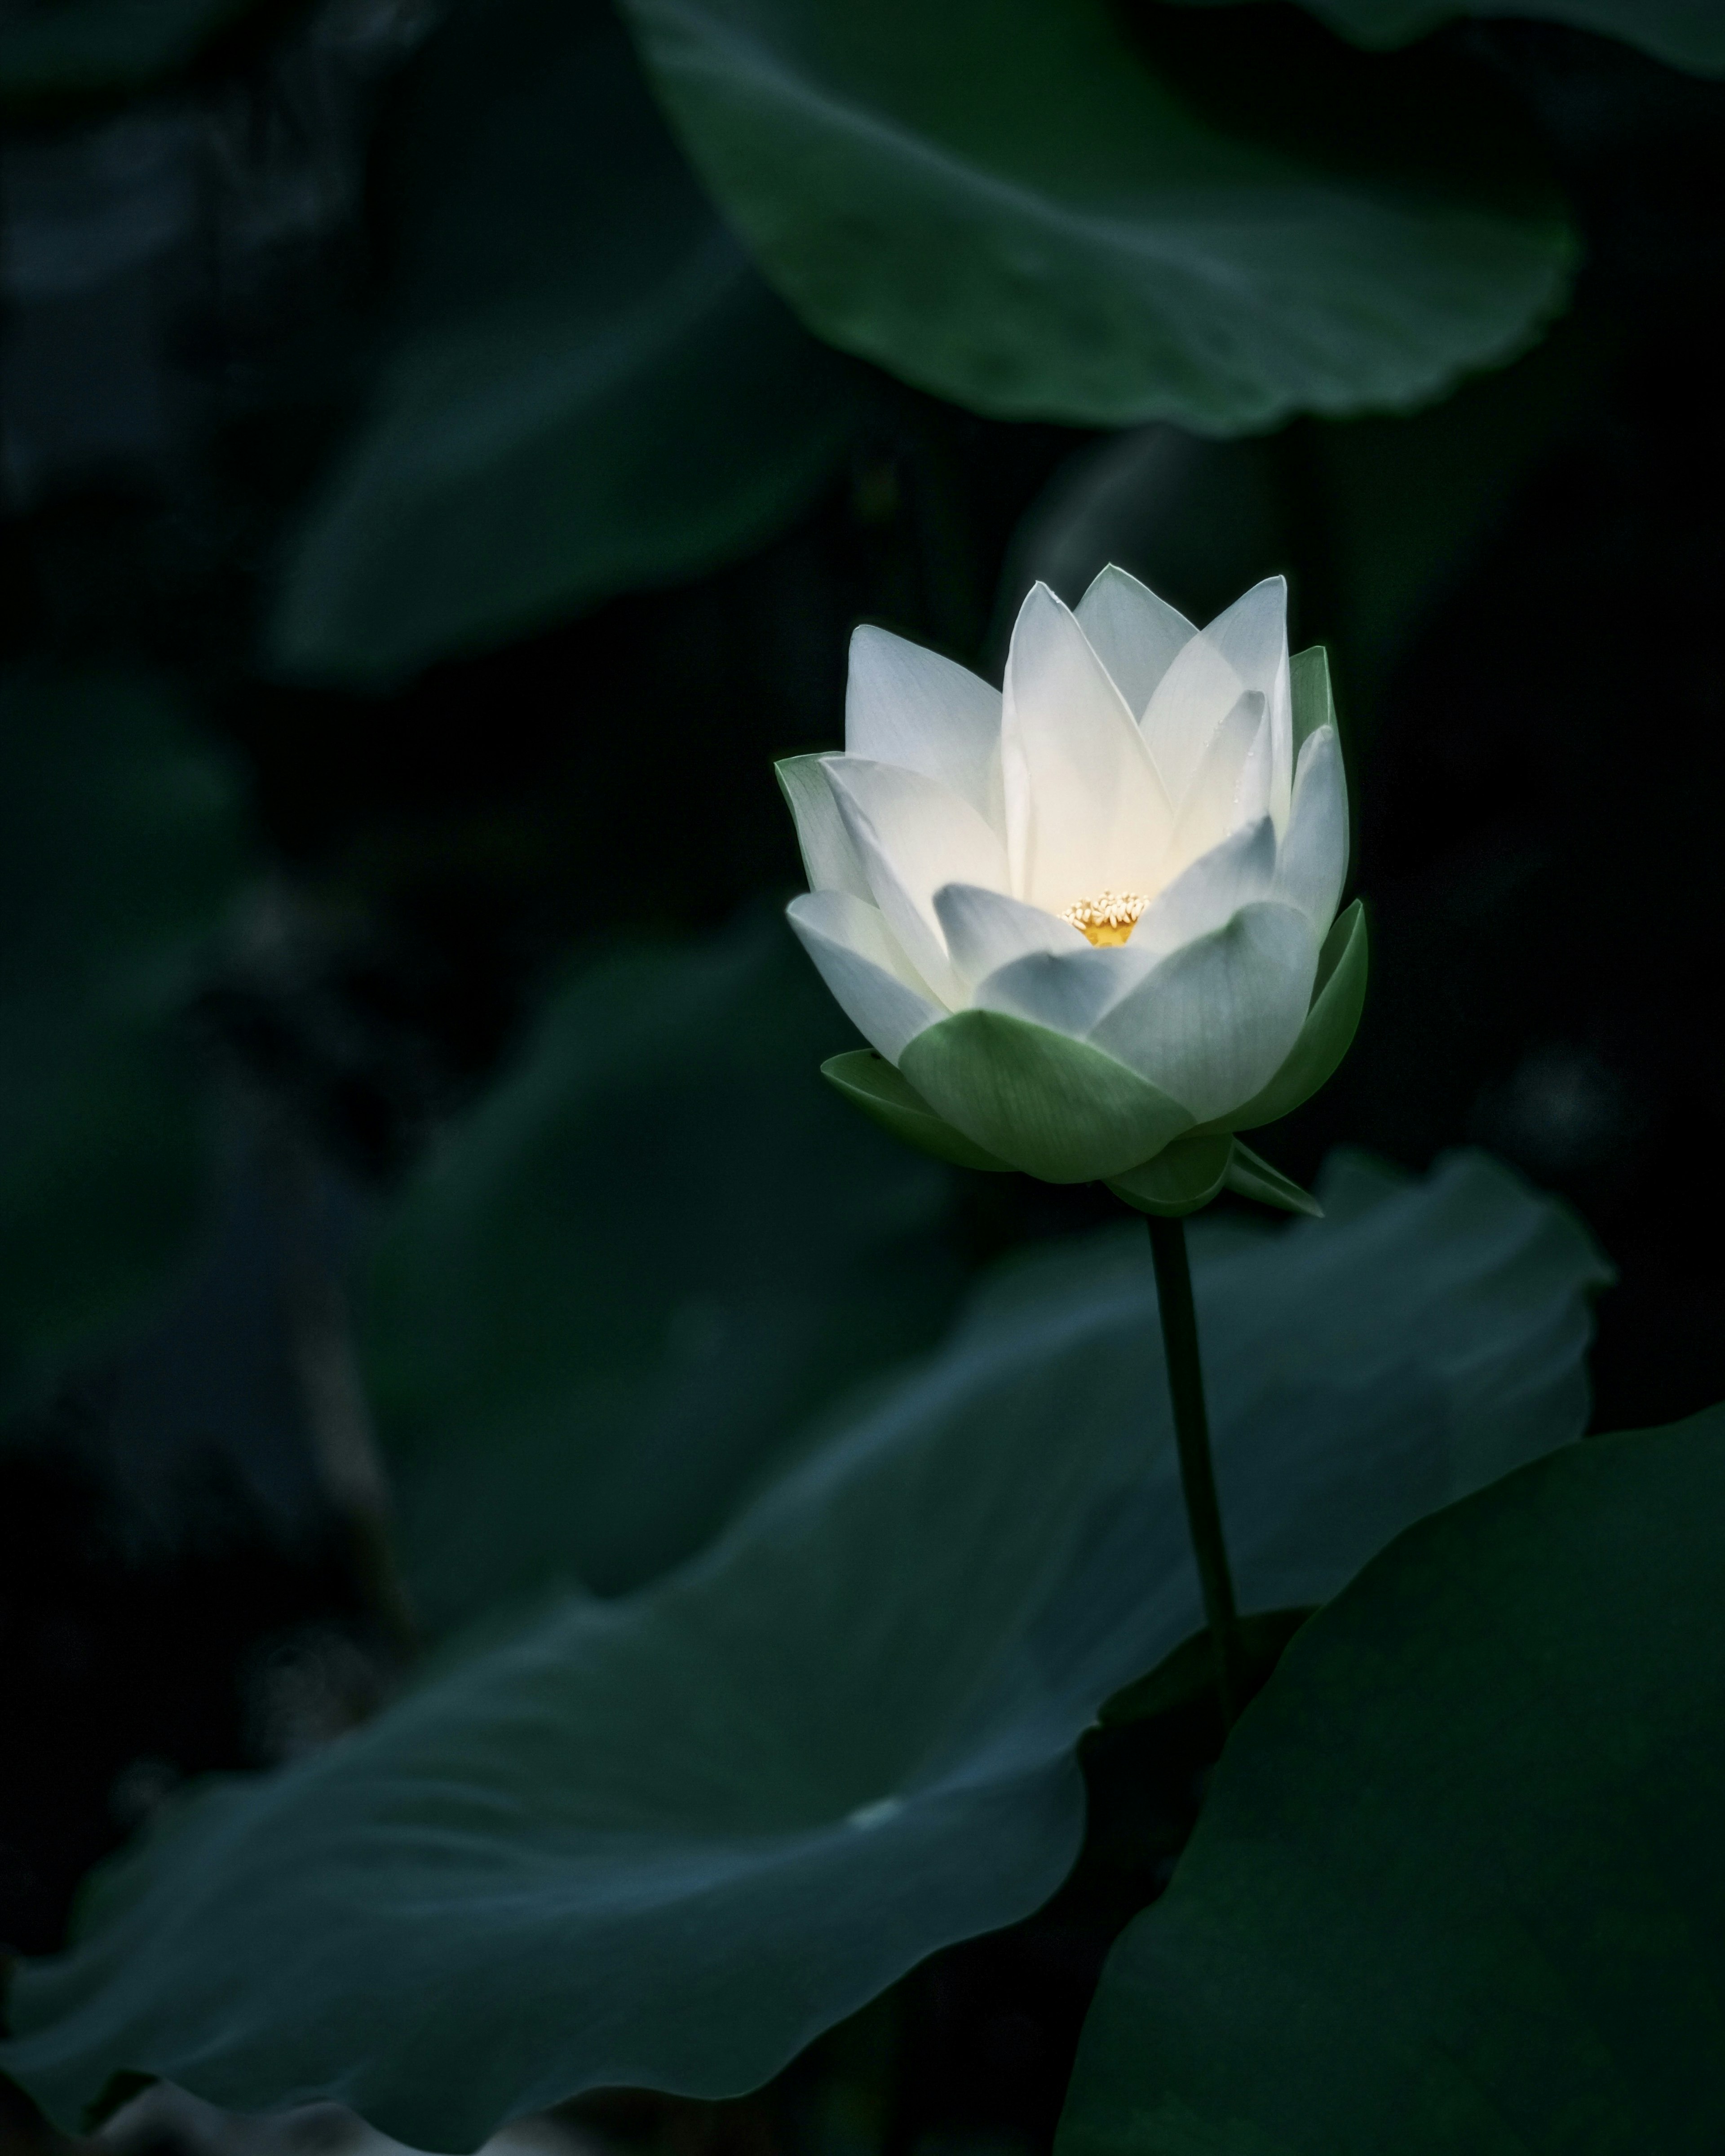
[
  {"x": 1459, "y": 1882},
  {"x": 888, "y": 1098},
  {"x": 121, "y": 847},
  {"x": 1183, "y": 1177},
  {"x": 1018, "y": 207},
  {"x": 1054, "y": 1106},
  {"x": 664, "y": 1841},
  {"x": 588, "y": 388},
  {"x": 616, "y": 1290}
]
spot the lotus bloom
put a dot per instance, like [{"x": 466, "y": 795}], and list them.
[{"x": 1088, "y": 921}]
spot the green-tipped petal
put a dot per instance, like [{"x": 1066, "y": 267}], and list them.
[
  {"x": 1252, "y": 1177},
  {"x": 1054, "y": 1107},
  {"x": 870, "y": 1082},
  {"x": 1327, "y": 1034},
  {"x": 1180, "y": 1179},
  {"x": 1309, "y": 689}
]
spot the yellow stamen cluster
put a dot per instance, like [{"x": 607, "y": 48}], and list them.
[{"x": 1110, "y": 917}]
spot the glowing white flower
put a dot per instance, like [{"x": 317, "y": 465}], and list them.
[{"x": 1093, "y": 915}]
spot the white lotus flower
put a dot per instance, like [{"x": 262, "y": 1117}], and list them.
[{"x": 1085, "y": 917}]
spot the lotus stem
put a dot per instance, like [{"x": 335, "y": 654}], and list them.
[{"x": 1192, "y": 1439}]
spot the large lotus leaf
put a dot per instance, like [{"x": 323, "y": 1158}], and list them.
[
  {"x": 64, "y": 49},
  {"x": 588, "y": 388},
  {"x": 665, "y": 1840},
  {"x": 611, "y": 1295},
  {"x": 1459, "y": 1883},
  {"x": 1011, "y": 204},
  {"x": 1052, "y": 1105},
  {"x": 1685, "y": 34},
  {"x": 121, "y": 842}
]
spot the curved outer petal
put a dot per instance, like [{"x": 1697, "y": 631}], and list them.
[
  {"x": 1231, "y": 784},
  {"x": 1134, "y": 633},
  {"x": 1210, "y": 1025},
  {"x": 911, "y": 708},
  {"x": 1051, "y": 1105},
  {"x": 1182, "y": 1178},
  {"x": 1207, "y": 895},
  {"x": 1252, "y": 635},
  {"x": 1085, "y": 808},
  {"x": 862, "y": 965},
  {"x": 1311, "y": 865},
  {"x": 915, "y": 836},
  {"x": 1192, "y": 699},
  {"x": 830, "y": 860},
  {"x": 888, "y": 1098},
  {"x": 985, "y": 930},
  {"x": 1066, "y": 991},
  {"x": 1327, "y": 1033}
]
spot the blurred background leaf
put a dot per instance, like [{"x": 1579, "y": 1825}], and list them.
[
  {"x": 1458, "y": 1883},
  {"x": 845, "y": 1736},
  {"x": 585, "y": 387},
  {"x": 62, "y": 50},
  {"x": 123, "y": 845},
  {"x": 1011, "y": 206},
  {"x": 605, "y": 1306}
]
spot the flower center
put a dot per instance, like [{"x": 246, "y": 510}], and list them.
[{"x": 1109, "y": 918}]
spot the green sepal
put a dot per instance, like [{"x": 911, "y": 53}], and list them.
[
  {"x": 1055, "y": 1108},
  {"x": 1181, "y": 1178},
  {"x": 870, "y": 1082},
  {"x": 1338, "y": 996},
  {"x": 1309, "y": 692},
  {"x": 1251, "y": 1177}
]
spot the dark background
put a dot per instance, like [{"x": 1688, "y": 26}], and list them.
[{"x": 1521, "y": 592}]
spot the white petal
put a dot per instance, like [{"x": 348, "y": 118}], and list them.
[
  {"x": 830, "y": 860},
  {"x": 985, "y": 930},
  {"x": 1133, "y": 632},
  {"x": 915, "y": 836},
  {"x": 1253, "y": 637},
  {"x": 1231, "y": 784},
  {"x": 1212, "y": 1023},
  {"x": 873, "y": 985},
  {"x": 1208, "y": 894},
  {"x": 1313, "y": 865},
  {"x": 1067, "y": 991},
  {"x": 911, "y": 708},
  {"x": 1193, "y": 701},
  {"x": 1085, "y": 809}
]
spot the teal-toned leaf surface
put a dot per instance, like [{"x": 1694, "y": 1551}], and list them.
[
  {"x": 588, "y": 387},
  {"x": 64, "y": 49},
  {"x": 887, "y": 1097},
  {"x": 1685, "y": 34},
  {"x": 1458, "y": 1881},
  {"x": 664, "y": 1841},
  {"x": 1012, "y": 205},
  {"x": 613, "y": 1293},
  {"x": 121, "y": 844},
  {"x": 1052, "y": 1105}
]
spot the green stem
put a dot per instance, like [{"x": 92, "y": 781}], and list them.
[{"x": 1192, "y": 1437}]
